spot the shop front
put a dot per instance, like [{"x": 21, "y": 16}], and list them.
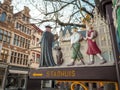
[
  {"x": 17, "y": 78},
  {"x": 3, "y": 72}
]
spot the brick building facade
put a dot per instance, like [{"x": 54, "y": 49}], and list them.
[{"x": 17, "y": 36}]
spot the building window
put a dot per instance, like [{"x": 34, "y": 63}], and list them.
[
  {"x": 25, "y": 29},
  {"x": 17, "y": 25},
  {"x": 33, "y": 40},
  {"x": 27, "y": 44},
  {"x": 18, "y": 58},
  {"x": 3, "y": 17},
  {"x": 22, "y": 28},
  {"x": 4, "y": 55},
  {"x": 29, "y": 32},
  {"x": 15, "y": 57},
  {"x": 15, "y": 40},
  {"x": 12, "y": 57},
  {"x": 9, "y": 19},
  {"x": 21, "y": 42},
  {"x": 25, "y": 61},
  {"x": 1, "y": 35},
  {"x": 21, "y": 59},
  {"x": 27, "y": 19},
  {"x": 5, "y": 36},
  {"x": 23, "y": 18},
  {"x": 8, "y": 37},
  {"x": 37, "y": 39}
]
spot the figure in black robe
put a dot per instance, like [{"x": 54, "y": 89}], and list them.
[{"x": 46, "y": 58}]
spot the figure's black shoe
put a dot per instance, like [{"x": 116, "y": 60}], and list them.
[
  {"x": 90, "y": 63},
  {"x": 104, "y": 61},
  {"x": 83, "y": 63},
  {"x": 73, "y": 63},
  {"x": 80, "y": 63}
]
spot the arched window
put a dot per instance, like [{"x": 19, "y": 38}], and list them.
[
  {"x": 9, "y": 19},
  {"x": 3, "y": 17}
]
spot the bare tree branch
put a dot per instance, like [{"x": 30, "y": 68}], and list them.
[
  {"x": 84, "y": 9},
  {"x": 86, "y": 1},
  {"x": 60, "y": 8},
  {"x": 57, "y": 12},
  {"x": 62, "y": 23}
]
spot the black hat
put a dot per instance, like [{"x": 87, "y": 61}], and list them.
[{"x": 48, "y": 26}]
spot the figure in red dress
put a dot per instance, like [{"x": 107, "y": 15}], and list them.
[
  {"x": 93, "y": 49},
  {"x": 92, "y": 46}
]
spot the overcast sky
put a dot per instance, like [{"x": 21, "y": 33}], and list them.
[{"x": 19, "y": 5}]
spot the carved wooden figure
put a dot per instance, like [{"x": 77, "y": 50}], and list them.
[
  {"x": 59, "y": 55},
  {"x": 93, "y": 48}
]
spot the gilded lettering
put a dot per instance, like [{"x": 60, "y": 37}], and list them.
[
  {"x": 73, "y": 73},
  {"x": 60, "y": 73},
  {"x": 47, "y": 74},
  {"x": 63, "y": 73},
  {"x": 51, "y": 73},
  {"x": 54, "y": 73}
]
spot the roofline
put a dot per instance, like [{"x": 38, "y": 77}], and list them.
[{"x": 37, "y": 28}]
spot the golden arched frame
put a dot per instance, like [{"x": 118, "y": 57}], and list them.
[{"x": 83, "y": 86}]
